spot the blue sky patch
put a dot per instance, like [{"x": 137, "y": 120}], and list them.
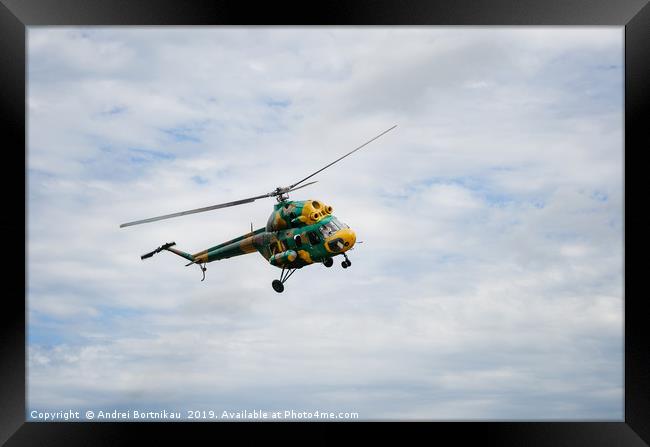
[
  {"x": 599, "y": 196},
  {"x": 115, "y": 110},
  {"x": 184, "y": 133},
  {"x": 199, "y": 180},
  {"x": 150, "y": 155},
  {"x": 278, "y": 103}
]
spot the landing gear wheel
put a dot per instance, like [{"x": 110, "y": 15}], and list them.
[
  {"x": 349, "y": 262},
  {"x": 277, "y": 285},
  {"x": 344, "y": 264},
  {"x": 328, "y": 262}
]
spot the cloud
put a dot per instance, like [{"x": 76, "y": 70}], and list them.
[{"x": 490, "y": 273}]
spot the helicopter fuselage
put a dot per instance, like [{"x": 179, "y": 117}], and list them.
[{"x": 298, "y": 233}]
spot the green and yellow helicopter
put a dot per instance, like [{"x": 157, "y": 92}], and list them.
[{"x": 298, "y": 233}]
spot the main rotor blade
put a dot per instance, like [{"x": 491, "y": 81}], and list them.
[
  {"x": 306, "y": 184},
  {"x": 341, "y": 158},
  {"x": 197, "y": 210}
]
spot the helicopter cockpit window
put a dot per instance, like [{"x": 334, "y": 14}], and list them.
[
  {"x": 337, "y": 244},
  {"x": 328, "y": 229},
  {"x": 313, "y": 238},
  {"x": 336, "y": 222}
]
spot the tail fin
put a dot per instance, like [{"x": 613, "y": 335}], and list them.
[{"x": 167, "y": 247}]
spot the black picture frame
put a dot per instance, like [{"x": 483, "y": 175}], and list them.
[{"x": 16, "y": 15}]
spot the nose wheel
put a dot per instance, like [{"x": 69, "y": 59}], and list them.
[
  {"x": 328, "y": 262},
  {"x": 345, "y": 264}
]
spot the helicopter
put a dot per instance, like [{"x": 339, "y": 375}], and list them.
[{"x": 297, "y": 233}]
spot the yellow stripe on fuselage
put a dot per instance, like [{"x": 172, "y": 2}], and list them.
[
  {"x": 304, "y": 255},
  {"x": 247, "y": 245}
]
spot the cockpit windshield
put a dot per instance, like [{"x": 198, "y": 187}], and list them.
[
  {"x": 331, "y": 227},
  {"x": 328, "y": 229},
  {"x": 336, "y": 222}
]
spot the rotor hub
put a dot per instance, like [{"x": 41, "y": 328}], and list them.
[{"x": 281, "y": 194}]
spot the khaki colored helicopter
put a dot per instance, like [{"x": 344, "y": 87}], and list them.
[{"x": 298, "y": 233}]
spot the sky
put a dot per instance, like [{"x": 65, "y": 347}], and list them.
[{"x": 489, "y": 281}]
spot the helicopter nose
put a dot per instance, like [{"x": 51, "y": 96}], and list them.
[{"x": 348, "y": 236}]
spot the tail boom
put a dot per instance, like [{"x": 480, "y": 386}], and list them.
[{"x": 247, "y": 243}]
